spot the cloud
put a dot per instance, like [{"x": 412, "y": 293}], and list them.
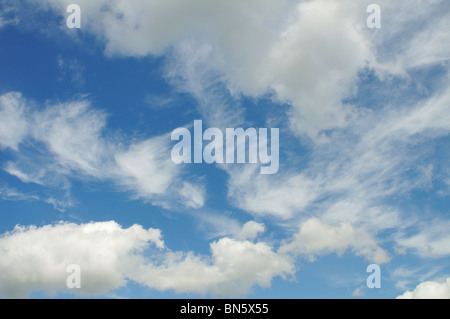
[
  {"x": 7, "y": 193},
  {"x": 353, "y": 179},
  {"x": 73, "y": 133},
  {"x": 317, "y": 238},
  {"x": 429, "y": 290},
  {"x": 407, "y": 275},
  {"x": 7, "y": 14},
  {"x": 233, "y": 268},
  {"x": 218, "y": 224},
  {"x": 415, "y": 32},
  {"x": 146, "y": 166},
  {"x": 70, "y": 69},
  {"x": 365, "y": 153},
  {"x": 31, "y": 177},
  {"x": 193, "y": 195},
  {"x": 13, "y": 124},
  {"x": 191, "y": 70},
  {"x": 35, "y": 258},
  {"x": 283, "y": 48},
  {"x": 282, "y": 195},
  {"x": 74, "y": 142},
  {"x": 321, "y": 43},
  {"x": 251, "y": 230},
  {"x": 256, "y": 48},
  {"x": 432, "y": 240},
  {"x": 287, "y": 60},
  {"x": 358, "y": 292}
]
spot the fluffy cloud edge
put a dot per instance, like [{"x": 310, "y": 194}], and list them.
[
  {"x": 316, "y": 237},
  {"x": 35, "y": 259},
  {"x": 429, "y": 290}
]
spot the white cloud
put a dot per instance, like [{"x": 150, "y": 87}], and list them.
[
  {"x": 36, "y": 259},
  {"x": 33, "y": 177},
  {"x": 251, "y": 230},
  {"x": 289, "y": 59},
  {"x": 353, "y": 178},
  {"x": 70, "y": 69},
  {"x": 358, "y": 292},
  {"x": 7, "y": 193},
  {"x": 257, "y": 46},
  {"x": 192, "y": 70},
  {"x": 73, "y": 132},
  {"x": 432, "y": 240},
  {"x": 13, "y": 123},
  {"x": 429, "y": 290},
  {"x": 316, "y": 238},
  {"x": 307, "y": 54},
  {"x": 234, "y": 267},
  {"x": 7, "y": 14},
  {"x": 147, "y": 166},
  {"x": 412, "y": 33},
  {"x": 350, "y": 177},
  {"x": 289, "y": 48},
  {"x": 147, "y": 169},
  {"x": 315, "y": 64},
  {"x": 407, "y": 275},
  {"x": 282, "y": 195},
  {"x": 73, "y": 142},
  {"x": 193, "y": 195},
  {"x": 216, "y": 224}
]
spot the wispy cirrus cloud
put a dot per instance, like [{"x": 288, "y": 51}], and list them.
[
  {"x": 73, "y": 144},
  {"x": 7, "y": 193},
  {"x": 71, "y": 70}
]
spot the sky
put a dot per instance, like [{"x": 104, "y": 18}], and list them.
[{"x": 86, "y": 170}]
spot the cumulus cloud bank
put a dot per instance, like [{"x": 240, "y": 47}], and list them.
[
  {"x": 36, "y": 258},
  {"x": 429, "y": 290}
]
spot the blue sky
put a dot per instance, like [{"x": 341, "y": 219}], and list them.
[{"x": 86, "y": 175}]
